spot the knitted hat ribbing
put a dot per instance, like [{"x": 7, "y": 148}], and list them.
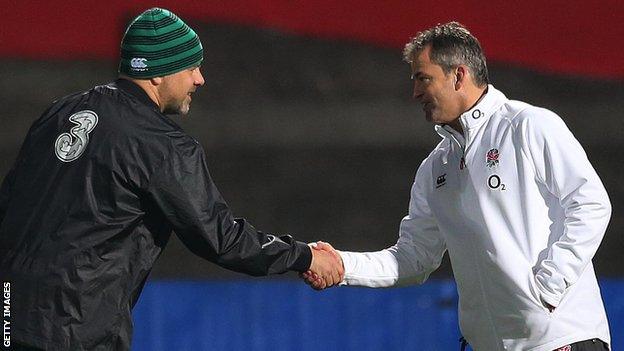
[{"x": 158, "y": 43}]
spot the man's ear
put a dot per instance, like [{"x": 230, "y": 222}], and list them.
[
  {"x": 156, "y": 80},
  {"x": 461, "y": 74}
]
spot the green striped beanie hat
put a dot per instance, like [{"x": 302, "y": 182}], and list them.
[{"x": 158, "y": 43}]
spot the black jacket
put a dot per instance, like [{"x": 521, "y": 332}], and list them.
[{"x": 90, "y": 204}]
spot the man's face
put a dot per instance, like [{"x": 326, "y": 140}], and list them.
[
  {"x": 176, "y": 89},
  {"x": 435, "y": 90}
]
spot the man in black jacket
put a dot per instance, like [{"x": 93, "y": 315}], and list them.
[{"x": 100, "y": 182}]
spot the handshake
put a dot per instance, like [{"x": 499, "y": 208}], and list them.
[{"x": 326, "y": 269}]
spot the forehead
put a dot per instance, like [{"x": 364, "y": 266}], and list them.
[
  {"x": 181, "y": 75},
  {"x": 421, "y": 60}
]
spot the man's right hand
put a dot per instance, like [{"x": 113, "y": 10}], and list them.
[{"x": 326, "y": 269}]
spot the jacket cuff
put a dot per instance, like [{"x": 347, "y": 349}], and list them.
[
  {"x": 547, "y": 296},
  {"x": 347, "y": 264},
  {"x": 304, "y": 260},
  {"x": 550, "y": 299}
]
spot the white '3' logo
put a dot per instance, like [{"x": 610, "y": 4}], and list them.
[{"x": 67, "y": 148}]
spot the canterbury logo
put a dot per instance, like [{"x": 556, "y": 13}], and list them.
[
  {"x": 69, "y": 146},
  {"x": 138, "y": 64}
]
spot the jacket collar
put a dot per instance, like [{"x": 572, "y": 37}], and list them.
[
  {"x": 477, "y": 114},
  {"x": 483, "y": 109},
  {"x": 136, "y": 91}
]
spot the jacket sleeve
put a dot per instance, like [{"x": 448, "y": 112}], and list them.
[
  {"x": 417, "y": 253},
  {"x": 183, "y": 190},
  {"x": 561, "y": 165}
]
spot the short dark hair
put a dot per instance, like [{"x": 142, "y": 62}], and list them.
[{"x": 451, "y": 45}]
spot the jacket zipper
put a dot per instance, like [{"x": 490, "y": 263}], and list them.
[{"x": 462, "y": 146}]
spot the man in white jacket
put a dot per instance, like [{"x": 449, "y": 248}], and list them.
[{"x": 510, "y": 193}]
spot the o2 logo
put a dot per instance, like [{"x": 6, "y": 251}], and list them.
[{"x": 495, "y": 183}]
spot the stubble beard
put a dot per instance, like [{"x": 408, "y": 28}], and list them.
[{"x": 175, "y": 108}]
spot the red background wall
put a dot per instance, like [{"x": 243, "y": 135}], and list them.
[{"x": 569, "y": 37}]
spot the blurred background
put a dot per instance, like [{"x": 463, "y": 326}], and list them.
[{"x": 309, "y": 129}]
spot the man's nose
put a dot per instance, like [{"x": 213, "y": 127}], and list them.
[
  {"x": 199, "y": 79},
  {"x": 417, "y": 93}
]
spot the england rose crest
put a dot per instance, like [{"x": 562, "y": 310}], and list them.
[{"x": 492, "y": 158}]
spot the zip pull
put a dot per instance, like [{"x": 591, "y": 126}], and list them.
[
  {"x": 462, "y": 163},
  {"x": 463, "y": 344}
]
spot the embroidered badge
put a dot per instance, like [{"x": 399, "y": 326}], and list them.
[
  {"x": 564, "y": 348},
  {"x": 492, "y": 158}
]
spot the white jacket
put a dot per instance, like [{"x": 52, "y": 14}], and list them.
[{"x": 522, "y": 218}]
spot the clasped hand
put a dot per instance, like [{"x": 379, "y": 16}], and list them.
[{"x": 326, "y": 269}]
